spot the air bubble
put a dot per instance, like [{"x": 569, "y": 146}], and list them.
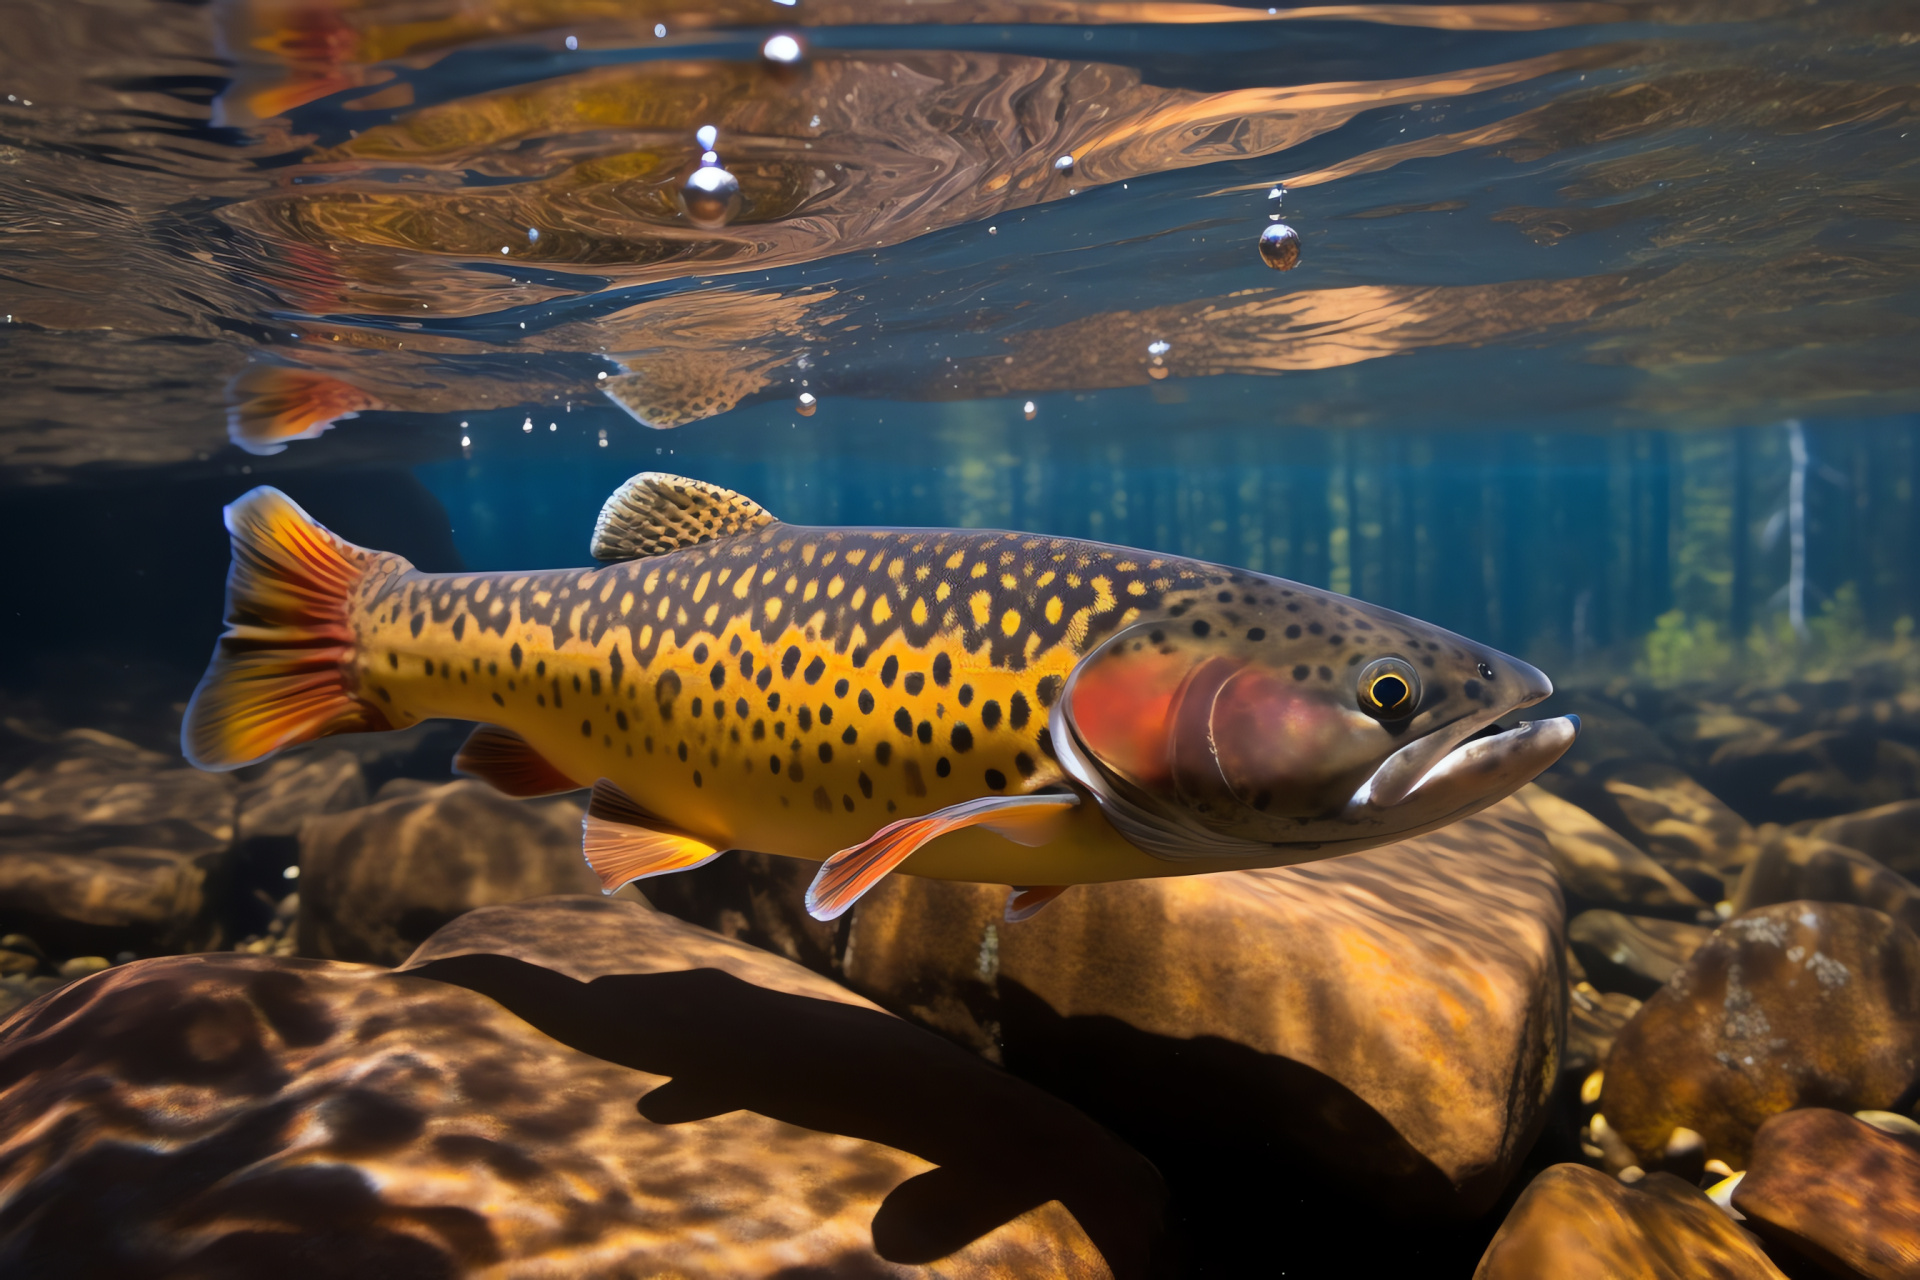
[
  {"x": 707, "y": 136},
  {"x": 533, "y": 235},
  {"x": 710, "y": 196},
  {"x": 659, "y": 31},
  {"x": 1280, "y": 247},
  {"x": 527, "y": 426},
  {"x": 782, "y": 50},
  {"x": 573, "y": 42},
  {"x": 1029, "y": 410},
  {"x": 807, "y": 404},
  {"x": 1063, "y": 165}
]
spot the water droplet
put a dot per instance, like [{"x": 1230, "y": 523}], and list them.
[
  {"x": 1278, "y": 193},
  {"x": 533, "y": 235},
  {"x": 1063, "y": 165},
  {"x": 1280, "y": 247},
  {"x": 993, "y": 231},
  {"x": 707, "y": 136},
  {"x": 291, "y": 873},
  {"x": 603, "y": 439},
  {"x": 527, "y": 426},
  {"x": 466, "y": 442},
  {"x": 505, "y": 249},
  {"x": 1029, "y": 410},
  {"x": 782, "y": 49},
  {"x": 463, "y": 426},
  {"x": 600, "y": 377},
  {"x": 1159, "y": 347},
  {"x": 710, "y": 196},
  {"x": 659, "y": 31},
  {"x": 573, "y": 42},
  {"x": 553, "y": 426},
  {"x": 807, "y": 404}
]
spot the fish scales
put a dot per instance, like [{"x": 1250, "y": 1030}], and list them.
[{"x": 799, "y": 683}]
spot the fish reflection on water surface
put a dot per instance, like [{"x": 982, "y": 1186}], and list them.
[{"x": 972, "y": 705}]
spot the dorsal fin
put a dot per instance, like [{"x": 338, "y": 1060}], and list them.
[{"x": 655, "y": 512}]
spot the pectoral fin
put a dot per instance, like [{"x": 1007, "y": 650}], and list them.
[
  {"x": 1025, "y": 901},
  {"x": 509, "y": 764},
  {"x": 843, "y": 878},
  {"x": 623, "y": 842}
]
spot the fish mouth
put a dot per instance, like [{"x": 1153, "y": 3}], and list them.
[{"x": 1484, "y": 765}]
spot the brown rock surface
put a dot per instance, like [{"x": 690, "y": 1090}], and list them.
[
  {"x": 1889, "y": 834},
  {"x": 1797, "y": 1004},
  {"x": 1633, "y": 954},
  {"x": 1596, "y": 864},
  {"x": 105, "y": 845},
  {"x": 251, "y": 1116},
  {"x": 1793, "y": 866},
  {"x": 1396, "y": 1015},
  {"x": 1576, "y": 1223},
  {"x": 1594, "y": 1020},
  {"x": 1678, "y": 822},
  {"x": 376, "y": 882},
  {"x": 296, "y": 787},
  {"x": 1837, "y": 1192}
]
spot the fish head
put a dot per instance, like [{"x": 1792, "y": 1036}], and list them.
[{"x": 1273, "y": 719}]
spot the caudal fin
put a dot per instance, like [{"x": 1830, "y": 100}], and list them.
[
  {"x": 270, "y": 405},
  {"x": 279, "y": 673}
]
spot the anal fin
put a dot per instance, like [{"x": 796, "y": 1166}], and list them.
[
  {"x": 1025, "y": 901},
  {"x": 509, "y": 764},
  {"x": 843, "y": 878},
  {"x": 623, "y": 842}
]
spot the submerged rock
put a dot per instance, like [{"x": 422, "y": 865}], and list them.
[
  {"x": 247, "y": 1116},
  {"x": 1594, "y": 1020},
  {"x": 1598, "y": 865},
  {"x": 1679, "y": 823},
  {"x": 1793, "y": 866},
  {"x": 376, "y": 882},
  {"x": 106, "y": 846},
  {"x": 1392, "y": 1017},
  {"x": 1797, "y": 1004},
  {"x": 1889, "y": 834},
  {"x": 1827, "y": 771},
  {"x": 1633, "y": 954},
  {"x": 296, "y": 787},
  {"x": 1836, "y": 1192},
  {"x": 1576, "y": 1223}
]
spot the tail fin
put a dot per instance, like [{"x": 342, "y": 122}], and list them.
[
  {"x": 269, "y": 405},
  {"x": 278, "y": 674}
]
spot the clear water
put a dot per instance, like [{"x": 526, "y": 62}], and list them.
[{"x": 1600, "y": 346}]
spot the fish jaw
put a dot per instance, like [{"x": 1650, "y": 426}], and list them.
[
  {"x": 1468, "y": 778},
  {"x": 1407, "y": 768}
]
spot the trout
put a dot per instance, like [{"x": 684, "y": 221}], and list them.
[{"x": 966, "y": 704}]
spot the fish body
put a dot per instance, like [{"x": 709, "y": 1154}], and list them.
[{"x": 797, "y": 690}]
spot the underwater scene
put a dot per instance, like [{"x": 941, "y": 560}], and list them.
[{"x": 794, "y": 639}]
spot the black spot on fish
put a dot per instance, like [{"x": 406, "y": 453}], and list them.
[
  {"x": 700, "y": 653},
  {"x": 1326, "y": 673},
  {"x": 1048, "y": 689},
  {"x": 773, "y": 700},
  {"x": 1018, "y": 711},
  {"x": 826, "y": 714},
  {"x": 576, "y": 684},
  {"x": 883, "y": 752},
  {"x": 540, "y": 668},
  {"x": 910, "y": 776},
  {"x": 759, "y": 730},
  {"x": 718, "y": 675},
  {"x": 989, "y": 713},
  {"x": 866, "y": 703},
  {"x": 797, "y": 771},
  {"x": 914, "y": 683},
  {"x": 460, "y": 626},
  {"x": 514, "y": 655},
  {"x": 619, "y": 667},
  {"x": 740, "y": 708},
  {"x": 804, "y": 716},
  {"x": 888, "y": 670},
  {"x": 996, "y": 780},
  {"x": 499, "y": 701},
  {"x": 961, "y": 738},
  {"x": 429, "y": 666},
  {"x": 773, "y": 763},
  {"x": 851, "y": 736},
  {"x": 765, "y": 678},
  {"x": 620, "y": 718},
  {"x": 826, "y": 752},
  {"x": 1201, "y": 626},
  {"x": 1315, "y": 629},
  {"x": 586, "y": 728},
  {"x": 866, "y": 786},
  {"x": 859, "y": 657},
  {"x": 814, "y": 671},
  {"x": 540, "y": 698},
  {"x": 1225, "y": 597},
  {"x": 1301, "y": 672},
  {"x": 1157, "y": 636},
  {"x": 925, "y": 733},
  {"x": 746, "y": 665},
  {"x": 593, "y": 680},
  {"x": 822, "y": 801},
  {"x": 1045, "y": 742},
  {"x": 1471, "y": 689},
  {"x": 733, "y": 645},
  {"x": 719, "y": 709},
  {"x": 683, "y": 750},
  {"x": 1336, "y": 639},
  {"x": 789, "y": 660},
  {"x": 419, "y": 621},
  {"x": 839, "y": 688},
  {"x": 1256, "y": 633},
  {"x": 387, "y": 697},
  {"x": 1293, "y": 631},
  {"x": 943, "y": 766},
  {"x": 696, "y": 778},
  {"x": 903, "y": 721},
  {"x": 697, "y": 704},
  {"x": 393, "y": 660},
  {"x": 942, "y": 669},
  {"x": 847, "y": 801},
  {"x": 1024, "y": 763}
]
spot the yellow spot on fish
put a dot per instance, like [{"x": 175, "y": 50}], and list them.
[
  {"x": 680, "y": 617},
  {"x": 769, "y": 575},
  {"x": 646, "y": 635},
  {"x": 859, "y": 596},
  {"x": 480, "y": 593},
  {"x": 807, "y": 553},
  {"x": 1126, "y": 566},
  {"x": 942, "y": 591},
  {"x": 1136, "y": 588},
  {"x": 919, "y": 613},
  {"x": 1077, "y": 628},
  {"x": 653, "y": 580},
  {"x": 980, "y": 570},
  {"x": 856, "y": 556},
  {"x": 813, "y": 589},
  {"x": 1128, "y": 617},
  {"x": 791, "y": 585},
  {"x": 1010, "y": 622},
  {"x": 1008, "y": 581},
  {"x": 773, "y": 607},
  {"x": 700, "y": 587},
  {"x": 1073, "y": 580},
  {"x": 724, "y": 575},
  {"x": 881, "y": 610},
  {"x": 542, "y": 599},
  {"x": 1102, "y": 594},
  {"x": 743, "y": 586},
  {"x": 957, "y": 559},
  {"x": 836, "y": 586},
  {"x": 982, "y": 604},
  {"x": 1053, "y": 609},
  {"x": 921, "y": 572},
  {"x": 898, "y": 568},
  {"x": 827, "y": 559},
  {"x": 1044, "y": 580},
  {"x": 626, "y": 603},
  {"x": 665, "y": 604},
  {"x": 1033, "y": 643},
  {"x": 713, "y": 611}
]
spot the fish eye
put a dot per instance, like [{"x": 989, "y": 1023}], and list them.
[
  {"x": 1389, "y": 688},
  {"x": 1486, "y": 672}
]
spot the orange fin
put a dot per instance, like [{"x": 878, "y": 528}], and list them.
[
  {"x": 624, "y": 843},
  {"x": 843, "y": 878},
  {"x": 508, "y": 763},
  {"x": 279, "y": 673},
  {"x": 269, "y": 405},
  {"x": 1025, "y": 901}
]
